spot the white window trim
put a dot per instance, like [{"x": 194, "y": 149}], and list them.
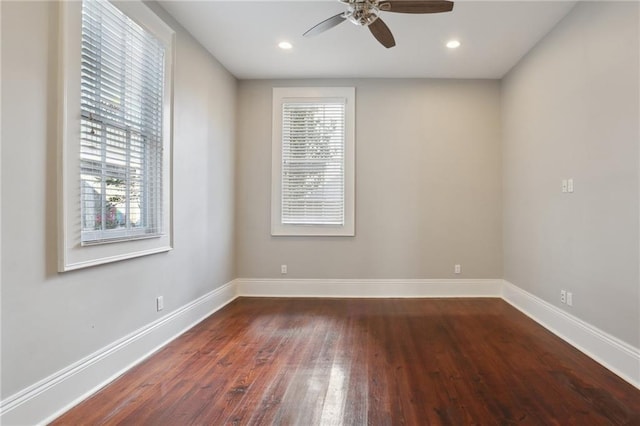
[
  {"x": 72, "y": 255},
  {"x": 280, "y": 95}
]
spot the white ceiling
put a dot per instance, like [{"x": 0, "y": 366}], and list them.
[{"x": 243, "y": 36}]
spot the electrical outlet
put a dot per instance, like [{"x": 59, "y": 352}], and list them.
[
  {"x": 160, "y": 303},
  {"x": 569, "y": 298},
  {"x": 283, "y": 269},
  {"x": 570, "y": 185},
  {"x": 563, "y": 296},
  {"x": 565, "y": 185},
  {"x": 457, "y": 269}
]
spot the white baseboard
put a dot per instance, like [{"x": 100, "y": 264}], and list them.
[
  {"x": 614, "y": 354},
  {"x": 45, "y": 400},
  {"x": 369, "y": 288}
]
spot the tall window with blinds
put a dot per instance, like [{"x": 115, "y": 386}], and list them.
[
  {"x": 122, "y": 85},
  {"x": 114, "y": 182},
  {"x": 313, "y": 148}
]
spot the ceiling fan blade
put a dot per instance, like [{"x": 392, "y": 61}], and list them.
[
  {"x": 382, "y": 33},
  {"x": 326, "y": 25},
  {"x": 416, "y": 6}
]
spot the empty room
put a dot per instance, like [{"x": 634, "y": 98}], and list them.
[{"x": 356, "y": 212}]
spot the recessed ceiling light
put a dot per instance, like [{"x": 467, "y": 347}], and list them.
[
  {"x": 452, "y": 44},
  {"x": 285, "y": 45}
]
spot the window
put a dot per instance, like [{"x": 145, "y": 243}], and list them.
[
  {"x": 116, "y": 132},
  {"x": 313, "y": 161}
]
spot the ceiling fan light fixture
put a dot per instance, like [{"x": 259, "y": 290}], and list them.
[
  {"x": 363, "y": 13},
  {"x": 285, "y": 45},
  {"x": 453, "y": 44}
]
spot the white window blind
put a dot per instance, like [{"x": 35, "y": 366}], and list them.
[
  {"x": 313, "y": 163},
  {"x": 121, "y": 154}
]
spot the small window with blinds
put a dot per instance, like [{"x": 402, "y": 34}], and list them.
[
  {"x": 313, "y": 150},
  {"x": 122, "y": 81},
  {"x": 117, "y": 74}
]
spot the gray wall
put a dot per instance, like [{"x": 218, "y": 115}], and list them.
[
  {"x": 50, "y": 319},
  {"x": 428, "y": 191},
  {"x": 570, "y": 109}
]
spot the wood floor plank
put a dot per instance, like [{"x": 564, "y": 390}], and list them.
[{"x": 358, "y": 362}]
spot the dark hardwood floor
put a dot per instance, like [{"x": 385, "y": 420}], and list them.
[{"x": 359, "y": 362}]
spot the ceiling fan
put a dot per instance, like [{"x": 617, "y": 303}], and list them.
[{"x": 365, "y": 13}]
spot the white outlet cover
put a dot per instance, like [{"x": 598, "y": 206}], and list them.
[{"x": 160, "y": 303}]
